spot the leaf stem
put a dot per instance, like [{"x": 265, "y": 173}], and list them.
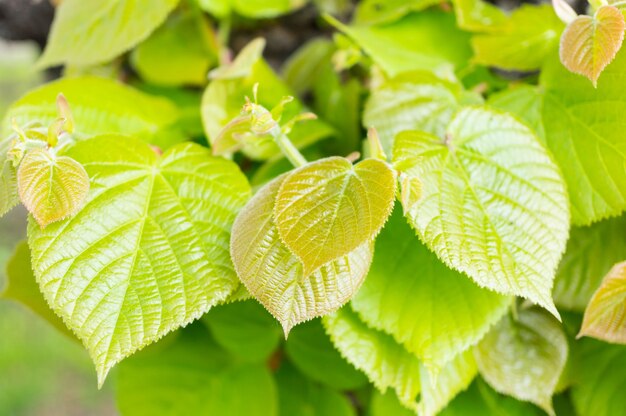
[{"x": 290, "y": 151}]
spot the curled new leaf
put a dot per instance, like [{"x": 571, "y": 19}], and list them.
[
  {"x": 605, "y": 316},
  {"x": 51, "y": 187},
  {"x": 589, "y": 44},
  {"x": 274, "y": 276},
  {"x": 329, "y": 208}
]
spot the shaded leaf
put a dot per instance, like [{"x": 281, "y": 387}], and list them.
[{"x": 525, "y": 102}]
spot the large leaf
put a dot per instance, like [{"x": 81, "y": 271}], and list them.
[
  {"x": 51, "y": 187},
  {"x": 590, "y": 254},
  {"x": 149, "y": 251},
  {"x": 328, "y": 208},
  {"x": 583, "y": 128},
  {"x": 525, "y": 102},
  {"x": 435, "y": 312},
  {"x": 605, "y": 316},
  {"x": 589, "y": 44},
  {"x": 274, "y": 276},
  {"x": 99, "y": 106},
  {"x": 478, "y": 15},
  {"x": 191, "y": 375},
  {"x": 524, "y": 357},
  {"x": 493, "y": 203},
  {"x": 87, "y": 32}
]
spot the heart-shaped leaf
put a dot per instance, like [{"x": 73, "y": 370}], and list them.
[
  {"x": 605, "y": 316},
  {"x": 274, "y": 276},
  {"x": 589, "y": 44},
  {"x": 51, "y": 187},
  {"x": 148, "y": 253},
  {"x": 329, "y": 208}
]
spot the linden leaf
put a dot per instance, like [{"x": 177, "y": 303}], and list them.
[
  {"x": 525, "y": 357},
  {"x": 274, "y": 276},
  {"x": 51, "y": 187},
  {"x": 8, "y": 184},
  {"x": 328, "y": 208},
  {"x": 148, "y": 253},
  {"x": 493, "y": 203},
  {"x": 589, "y": 44},
  {"x": 605, "y": 316}
]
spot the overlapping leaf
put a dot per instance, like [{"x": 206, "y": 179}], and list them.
[
  {"x": 274, "y": 276},
  {"x": 149, "y": 251},
  {"x": 493, "y": 203}
]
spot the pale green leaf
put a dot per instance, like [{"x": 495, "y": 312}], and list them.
[
  {"x": 387, "y": 404},
  {"x": 605, "y": 316},
  {"x": 433, "y": 311},
  {"x": 274, "y": 276},
  {"x": 255, "y": 9},
  {"x": 493, "y": 203},
  {"x": 377, "y": 11},
  {"x": 312, "y": 352},
  {"x": 8, "y": 183},
  {"x": 191, "y": 375},
  {"x": 589, "y": 44},
  {"x": 583, "y": 128},
  {"x": 99, "y": 106},
  {"x": 328, "y": 208},
  {"x": 304, "y": 67},
  {"x": 524, "y": 357},
  {"x": 523, "y": 101},
  {"x": 88, "y": 32},
  {"x": 590, "y": 254},
  {"x": 245, "y": 329},
  {"x": 478, "y": 15},
  {"x": 149, "y": 251},
  {"x": 51, "y": 187}
]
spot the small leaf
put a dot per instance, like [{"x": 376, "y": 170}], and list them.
[
  {"x": 328, "y": 208},
  {"x": 524, "y": 358},
  {"x": 9, "y": 196},
  {"x": 486, "y": 210},
  {"x": 589, "y": 44},
  {"x": 605, "y": 316},
  {"x": 274, "y": 276},
  {"x": 51, "y": 187}
]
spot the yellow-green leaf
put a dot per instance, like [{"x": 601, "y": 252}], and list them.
[
  {"x": 605, "y": 316},
  {"x": 274, "y": 276},
  {"x": 329, "y": 208},
  {"x": 589, "y": 44},
  {"x": 8, "y": 184},
  {"x": 51, "y": 187}
]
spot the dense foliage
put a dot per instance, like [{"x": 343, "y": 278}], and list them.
[{"x": 452, "y": 262}]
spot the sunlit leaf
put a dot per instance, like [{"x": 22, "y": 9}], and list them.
[
  {"x": 493, "y": 203},
  {"x": 524, "y": 357},
  {"x": 8, "y": 183},
  {"x": 525, "y": 102},
  {"x": 258, "y": 9},
  {"x": 149, "y": 251},
  {"x": 329, "y": 208},
  {"x": 387, "y": 11},
  {"x": 478, "y": 15},
  {"x": 589, "y": 44}
]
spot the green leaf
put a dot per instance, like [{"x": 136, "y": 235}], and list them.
[
  {"x": 274, "y": 276},
  {"x": 523, "y": 42},
  {"x": 377, "y": 11},
  {"x": 51, "y": 187},
  {"x": 299, "y": 396},
  {"x": 192, "y": 375},
  {"x": 589, "y": 44},
  {"x": 303, "y": 68},
  {"x": 87, "y": 33},
  {"x": 387, "y": 404},
  {"x": 605, "y": 315},
  {"x": 525, "y": 357},
  {"x": 590, "y": 254},
  {"x": 524, "y": 101},
  {"x": 22, "y": 287},
  {"x": 328, "y": 208},
  {"x": 312, "y": 352},
  {"x": 493, "y": 203},
  {"x": 245, "y": 329},
  {"x": 255, "y": 9},
  {"x": 433, "y": 311},
  {"x": 478, "y": 15},
  {"x": 8, "y": 183},
  {"x": 149, "y": 251},
  {"x": 583, "y": 131},
  {"x": 99, "y": 106},
  {"x": 178, "y": 53},
  {"x": 599, "y": 390}
]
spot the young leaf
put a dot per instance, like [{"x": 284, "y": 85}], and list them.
[
  {"x": 8, "y": 183},
  {"x": 149, "y": 251},
  {"x": 486, "y": 210},
  {"x": 87, "y": 33},
  {"x": 434, "y": 312},
  {"x": 370, "y": 12},
  {"x": 328, "y": 208},
  {"x": 478, "y": 15},
  {"x": 564, "y": 11},
  {"x": 51, "y": 187},
  {"x": 589, "y": 44},
  {"x": 605, "y": 316},
  {"x": 525, "y": 357}
]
